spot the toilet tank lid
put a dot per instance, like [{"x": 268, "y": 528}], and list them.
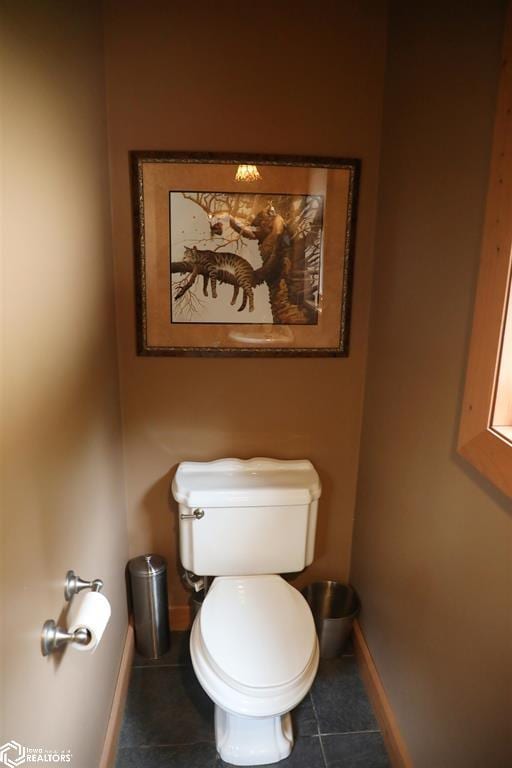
[{"x": 246, "y": 483}]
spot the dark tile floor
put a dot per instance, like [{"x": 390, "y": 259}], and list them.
[{"x": 168, "y": 722}]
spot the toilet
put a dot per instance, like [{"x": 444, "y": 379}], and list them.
[{"x": 253, "y": 643}]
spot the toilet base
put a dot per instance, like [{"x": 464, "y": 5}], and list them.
[{"x": 252, "y": 740}]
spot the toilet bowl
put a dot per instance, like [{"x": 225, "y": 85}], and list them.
[
  {"x": 253, "y": 643},
  {"x": 255, "y": 652}
]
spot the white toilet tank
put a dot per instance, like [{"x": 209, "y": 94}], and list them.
[{"x": 259, "y": 515}]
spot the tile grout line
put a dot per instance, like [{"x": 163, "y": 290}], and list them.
[
  {"x": 172, "y": 745},
  {"x": 348, "y": 733},
  {"x": 318, "y": 729}
]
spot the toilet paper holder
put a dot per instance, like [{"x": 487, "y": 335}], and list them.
[
  {"x": 54, "y": 637},
  {"x": 74, "y": 584}
]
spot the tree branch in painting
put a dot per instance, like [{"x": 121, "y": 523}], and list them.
[{"x": 287, "y": 230}]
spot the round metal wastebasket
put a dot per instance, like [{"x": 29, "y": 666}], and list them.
[
  {"x": 334, "y": 607},
  {"x": 148, "y": 581}
]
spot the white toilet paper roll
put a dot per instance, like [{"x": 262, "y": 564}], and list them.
[{"x": 92, "y": 611}]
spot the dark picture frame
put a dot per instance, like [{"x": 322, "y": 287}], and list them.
[{"x": 260, "y": 267}]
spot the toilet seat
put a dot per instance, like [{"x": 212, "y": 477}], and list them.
[
  {"x": 254, "y": 646},
  {"x": 258, "y": 630}
]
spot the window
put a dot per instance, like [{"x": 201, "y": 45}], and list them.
[
  {"x": 502, "y": 414},
  {"x": 485, "y": 436}
]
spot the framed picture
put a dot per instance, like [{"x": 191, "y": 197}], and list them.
[{"x": 243, "y": 255}]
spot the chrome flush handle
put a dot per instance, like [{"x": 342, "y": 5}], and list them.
[{"x": 197, "y": 514}]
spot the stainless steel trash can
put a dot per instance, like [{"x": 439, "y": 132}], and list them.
[
  {"x": 334, "y": 607},
  {"x": 148, "y": 582}
]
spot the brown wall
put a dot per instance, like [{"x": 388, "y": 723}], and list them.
[
  {"x": 432, "y": 553},
  {"x": 271, "y": 77},
  {"x": 62, "y": 491}
]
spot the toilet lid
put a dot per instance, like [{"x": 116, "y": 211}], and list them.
[{"x": 258, "y": 630}]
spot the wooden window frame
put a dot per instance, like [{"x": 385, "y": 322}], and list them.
[{"x": 484, "y": 440}]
